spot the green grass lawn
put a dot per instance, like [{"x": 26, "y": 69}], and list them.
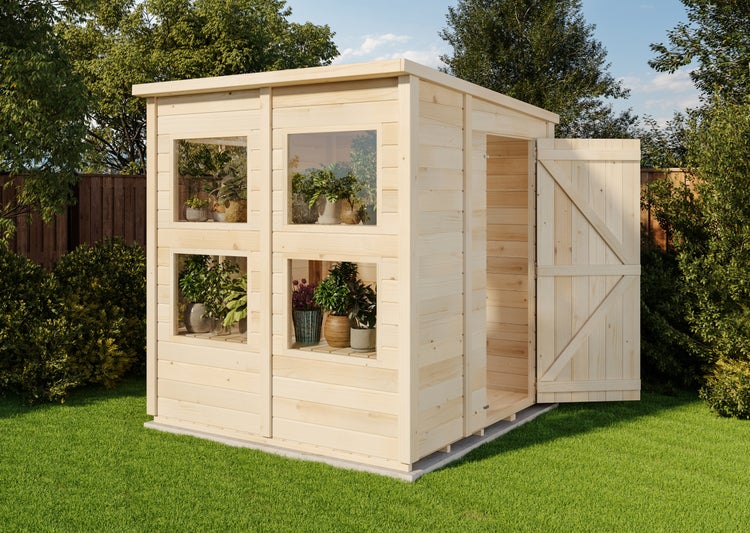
[{"x": 662, "y": 464}]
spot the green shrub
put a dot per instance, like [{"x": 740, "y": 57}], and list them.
[
  {"x": 709, "y": 218},
  {"x": 24, "y": 308},
  {"x": 727, "y": 390},
  {"x": 101, "y": 294},
  {"x": 84, "y": 323},
  {"x": 670, "y": 356}
]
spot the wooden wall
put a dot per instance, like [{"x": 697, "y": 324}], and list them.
[
  {"x": 440, "y": 279},
  {"x": 204, "y": 384},
  {"x": 348, "y": 406},
  {"x": 651, "y": 230}
]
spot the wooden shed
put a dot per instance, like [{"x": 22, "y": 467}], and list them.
[{"x": 505, "y": 261}]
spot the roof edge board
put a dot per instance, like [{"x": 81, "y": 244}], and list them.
[{"x": 348, "y": 72}]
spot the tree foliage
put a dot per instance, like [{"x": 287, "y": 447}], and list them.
[
  {"x": 663, "y": 145},
  {"x": 117, "y": 43},
  {"x": 710, "y": 223},
  {"x": 715, "y": 267},
  {"x": 716, "y": 37},
  {"x": 42, "y": 109},
  {"x": 541, "y": 52}
]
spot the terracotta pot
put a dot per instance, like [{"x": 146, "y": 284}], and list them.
[
  {"x": 349, "y": 215},
  {"x": 237, "y": 211},
  {"x": 363, "y": 339},
  {"x": 337, "y": 330}
]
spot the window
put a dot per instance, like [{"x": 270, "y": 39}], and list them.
[
  {"x": 213, "y": 297},
  {"x": 333, "y": 177},
  {"x": 346, "y": 294},
  {"x": 212, "y": 179}
]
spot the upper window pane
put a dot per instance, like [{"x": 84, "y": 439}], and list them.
[
  {"x": 212, "y": 179},
  {"x": 333, "y": 177}
]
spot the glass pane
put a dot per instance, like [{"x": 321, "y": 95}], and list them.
[
  {"x": 333, "y": 177},
  {"x": 213, "y": 296},
  {"x": 212, "y": 179}
]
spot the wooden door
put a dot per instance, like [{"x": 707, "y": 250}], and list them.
[{"x": 588, "y": 270}]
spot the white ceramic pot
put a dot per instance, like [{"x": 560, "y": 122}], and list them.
[
  {"x": 194, "y": 320},
  {"x": 196, "y": 215},
  {"x": 362, "y": 339},
  {"x": 331, "y": 213}
]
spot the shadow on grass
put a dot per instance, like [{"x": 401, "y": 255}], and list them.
[
  {"x": 135, "y": 386},
  {"x": 576, "y": 419}
]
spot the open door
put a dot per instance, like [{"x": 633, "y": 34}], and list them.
[{"x": 588, "y": 270}]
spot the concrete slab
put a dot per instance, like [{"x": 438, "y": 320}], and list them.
[{"x": 429, "y": 464}]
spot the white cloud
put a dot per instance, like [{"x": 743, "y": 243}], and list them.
[
  {"x": 371, "y": 44},
  {"x": 428, "y": 58},
  {"x": 678, "y": 82}
]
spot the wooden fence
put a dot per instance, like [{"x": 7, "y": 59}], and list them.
[{"x": 108, "y": 205}]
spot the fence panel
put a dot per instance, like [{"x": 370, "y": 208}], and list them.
[{"x": 107, "y": 206}]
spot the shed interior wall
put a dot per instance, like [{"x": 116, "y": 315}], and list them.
[{"x": 509, "y": 262}]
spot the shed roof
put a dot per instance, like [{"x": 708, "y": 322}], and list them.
[{"x": 349, "y": 72}]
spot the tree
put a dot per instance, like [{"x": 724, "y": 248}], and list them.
[
  {"x": 717, "y": 38},
  {"x": 710, "y": 218},
  {"x": 42, "y": 109},
  {"x": 120, "y": 43},
  {"x": 541, "y": 52},
  {"x": 663, "y": 145},
  {"x": 713, "y": 251}
]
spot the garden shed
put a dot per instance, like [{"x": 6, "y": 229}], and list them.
[{"x": 505, "y": 262}]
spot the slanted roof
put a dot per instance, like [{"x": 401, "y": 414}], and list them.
[{"x": 350, "y": 72}]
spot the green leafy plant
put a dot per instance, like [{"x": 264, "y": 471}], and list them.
[
  {"x": 364, "y": 165},
  {"x": 335, "y": 182},
  {"x": 363, "y": 305},
  {"x": 235, "y": 301},
  {"x": 204, "y": 279},
  {"x": 333, "y": 293},
  {"x": 195, "y": 202},
  {"x": 102, "y": 293},
  {"x": 24, "y": 308}
]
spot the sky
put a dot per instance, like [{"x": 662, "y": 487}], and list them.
[{"x": 387, "y": 29}]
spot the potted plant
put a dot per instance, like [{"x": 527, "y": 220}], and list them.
[
  {"x": 307, "y": 316},
  {"x": 332, "y": 295},
  {"x": 203, "y": 281},
  {"x": 233, "y": 194},
  {"x": 235, "y": 303},
  {"x": 333, "y": 182},
  {"x": 303, "y": 212},
  {"x": 219, "y": 212},
  {"x": 362, "y": 315},
  {"x": 195, "y": 209}
]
